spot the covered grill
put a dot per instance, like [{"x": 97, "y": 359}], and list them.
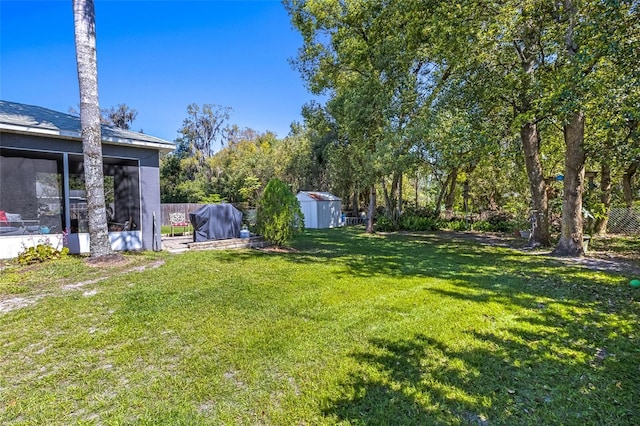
[{"x": 216, "y": 222}]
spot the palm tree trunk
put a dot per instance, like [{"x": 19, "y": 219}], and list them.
[{"x": 85, "y": 39}]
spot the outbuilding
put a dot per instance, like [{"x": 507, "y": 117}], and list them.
[
  {"x": 42, "y": 192},
  {"x": 320, "y": 209}
]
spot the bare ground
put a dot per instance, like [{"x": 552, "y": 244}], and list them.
[
  {"x": 11, "y": 303},
  {"x": 627, "y": 263}
]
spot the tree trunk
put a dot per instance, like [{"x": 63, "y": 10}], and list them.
[
  {"x": 417, "y": 183},
  {"x": 372, "y": 208},
  {"x": 85, "y": 39},
  {"x": 441, "y": 194},
  {"x": 627, "y": 187},
  {"x": 605, "y": 198},
  {"x": 531, "y": 147},
  {"x": 388, "y": 207},
  {"x": 399, "y": 204},
  {"x": 355, "y": 207},
  {"x": 451, "y": 194},
  {"x": 570, "y": 243}
]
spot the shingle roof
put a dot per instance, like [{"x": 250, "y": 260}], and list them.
[
  {"x": 30, "y": 119},
  {"x": 316, "y": 196}
]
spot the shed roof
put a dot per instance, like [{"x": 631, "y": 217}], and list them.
[
  {"x": 316, "y": 196},
  {"x": 35, "y": 120}
]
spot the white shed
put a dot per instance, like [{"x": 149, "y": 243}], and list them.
[{"x": 320, "y": 209}]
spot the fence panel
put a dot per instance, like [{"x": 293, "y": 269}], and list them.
[
  {"x": 185, "y": 208},
  {"x": 624, "y": 221}
]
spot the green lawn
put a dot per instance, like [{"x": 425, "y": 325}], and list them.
[{"x": 348, "y": 329}]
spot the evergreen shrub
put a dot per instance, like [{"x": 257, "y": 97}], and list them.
[{"x": 279, "y": 216}]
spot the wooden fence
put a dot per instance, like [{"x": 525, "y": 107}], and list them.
[{"x": 185, "y": 208}]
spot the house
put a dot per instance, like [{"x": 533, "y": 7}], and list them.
[
  {"x": 42, "y": 194},
  {"x": 320, "y": 209}
]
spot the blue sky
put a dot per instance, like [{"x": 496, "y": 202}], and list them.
[{"x": 158, "y": 57}]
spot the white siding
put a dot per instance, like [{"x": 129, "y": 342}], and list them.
[
  {"x": 310, "y": 213},
  {"x": 323, "y": 210}
]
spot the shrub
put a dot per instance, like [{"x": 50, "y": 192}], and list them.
[
  {"x": 482, "y": 226},
  {"x": 411, "y": 210},
  {"x": 279, "y": 216},
  {"x": 419, "y": 223},
  {"x": 456, "y": 225},
  {"x": 502, "y": 222},
  {"x": 385, "y": 224},
  {"x": 40, "y": 253}
]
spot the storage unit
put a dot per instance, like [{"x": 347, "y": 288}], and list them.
[{"x": 320, "y": 209}]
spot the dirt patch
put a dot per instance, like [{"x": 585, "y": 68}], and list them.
[
  {"x": 596, "y": 263},
  {"x": 13, "y": 303},
  {"x": 17, "y": 303},
  {"x": 274, "y": 249},
  {"x": 623, "y": 263},
  {"x": 113, "y": 259}
]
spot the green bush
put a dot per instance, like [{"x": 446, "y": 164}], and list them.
[
  {"x": 482, "y": 226},
  {"x": 456, "y": 225},
  {"x": 40, "y": 253},
  {"x": 385, "y": 224},
  {"x": 502, "y": 222},
  {"x": 279, "y": 216},
  {"x": 419, "y": 223}
]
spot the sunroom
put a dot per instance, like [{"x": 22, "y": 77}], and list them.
[{"x": 42, "y": 194}]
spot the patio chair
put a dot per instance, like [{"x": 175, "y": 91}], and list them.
[{"x": 178, "y": 220}]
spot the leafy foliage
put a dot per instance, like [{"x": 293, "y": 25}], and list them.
[
  {"x": 423, "y": 98},
  {"x": 279, "y": 216},
  {"x": 41, "y": 253}
]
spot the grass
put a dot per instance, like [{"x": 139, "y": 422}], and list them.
[
  {"x": 177, "y": 230},
  {"x": 348, "y": 329}
]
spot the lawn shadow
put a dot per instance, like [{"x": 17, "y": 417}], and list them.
[
  {"x": 569, "y": 353},
  {"x": 396, "y": 385},
  {"x": 422, "y": 381},
  {"x": 450, "y": 256},
  {"x": 481, "y": 272}
]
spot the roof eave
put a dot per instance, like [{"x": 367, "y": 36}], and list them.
[{"x": 68, "y": 134}]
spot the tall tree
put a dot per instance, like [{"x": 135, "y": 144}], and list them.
[
  {"x": 85, "y": 40},
  {"x": 120, "y": 116},
  {"x": 582, "y": 52},
  {"x": 203, "y": 128},
  {"x": 351, "y": 53}
]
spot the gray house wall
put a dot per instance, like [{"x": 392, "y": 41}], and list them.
[
  {"x": 149, "y": 172},
  {"x": 150, "y": 204}
]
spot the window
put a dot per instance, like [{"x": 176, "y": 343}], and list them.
[
  {"x": 121, "y": 193},
  {"x": 31, "y": 192}
]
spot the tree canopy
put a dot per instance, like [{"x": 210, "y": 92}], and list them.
[{"x": 476, "y": 107}]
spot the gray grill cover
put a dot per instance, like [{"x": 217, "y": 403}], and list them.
[{"x": 216, "y": 222}]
